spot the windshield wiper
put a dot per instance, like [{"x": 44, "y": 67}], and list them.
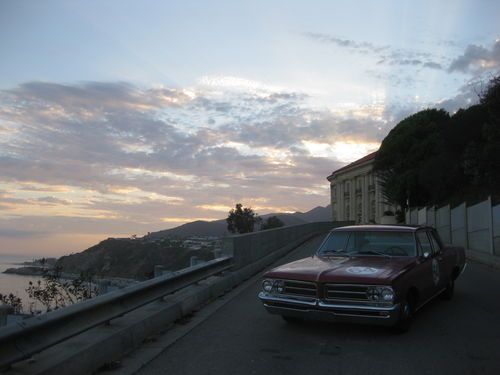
[{"x": 374, "y": 252}]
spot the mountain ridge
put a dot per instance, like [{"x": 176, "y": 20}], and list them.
[
  {"x": 136, "y": 257},
  {"x": 219, "y": 227}
]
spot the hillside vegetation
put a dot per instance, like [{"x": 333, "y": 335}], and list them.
[
  {"x": 128, "y": 258},
  {"x": 136, "y": 258}
]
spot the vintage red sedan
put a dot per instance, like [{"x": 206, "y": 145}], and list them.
[{"x": 376, "y": 274}]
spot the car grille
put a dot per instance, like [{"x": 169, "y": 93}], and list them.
[
  {"x": 299, "y": 288},
  {"x": 346, "y": 293}
]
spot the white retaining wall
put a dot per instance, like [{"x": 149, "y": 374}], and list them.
[{"x": 475, "y": 227}]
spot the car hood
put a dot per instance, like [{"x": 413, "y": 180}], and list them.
[{"x": 361, "y": 269}]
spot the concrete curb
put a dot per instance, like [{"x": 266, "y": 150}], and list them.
[
  {"x": 4, "y": 311},
  {"x": 89, "y": 351},
  {"x": 483, "y": 258}
]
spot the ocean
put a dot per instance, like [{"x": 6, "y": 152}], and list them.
[{"x": 16, "y": 284}]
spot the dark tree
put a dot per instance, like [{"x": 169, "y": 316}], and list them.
[
  {"x": 272, "y": 222},
  {"x": 489, "y": 164},
  {"x": 407, "y": 154},
  {"x": 242, "y": 219},
  {"x": 490, "y": 98},
  {"x": 432, "y": 158}
]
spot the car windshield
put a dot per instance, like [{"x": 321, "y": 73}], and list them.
[{"x": 378, "y": 243}]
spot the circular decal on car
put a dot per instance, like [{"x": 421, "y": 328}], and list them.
[{"x": 362, "y": 270}]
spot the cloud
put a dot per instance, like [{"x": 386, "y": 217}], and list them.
[
  {"x": 19, "y": 233},
  {"x": 362, "y": 47},
  {"x": 385, "y": 54},
  {"x": 477, "y": 58},
  {"x": 97, "y": 158},
  {"x": 467, "y": 95},
  {"x": 52, "y": 200}
]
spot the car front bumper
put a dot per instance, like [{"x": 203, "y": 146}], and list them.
[{"x": 322, "y": 310}]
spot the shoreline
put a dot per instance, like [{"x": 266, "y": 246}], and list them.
[
  {"x": 40, "y": 271},
  {"x": 25, "y": 271}
]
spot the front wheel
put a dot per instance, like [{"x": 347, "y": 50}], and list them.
[{"x": 405, "y": 317}]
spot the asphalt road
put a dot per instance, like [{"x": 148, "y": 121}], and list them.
[{"x": 461, "y": 336}]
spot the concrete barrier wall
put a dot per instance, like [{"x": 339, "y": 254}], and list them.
[
  {"x": 479, "y": 228},
  {"x": 431, "y": 216},
  {"x": 4, "y": 311},
  {"x": 422, "y": 216},
  {"x": 414, "y": 216},
  {"x": 251, "y": 247},
  {"x": 476, "y": 227},
  {"x": 495, "y": 217},
  {"x": 459, "y": 225},
  {"x": 443, "y": 224}
]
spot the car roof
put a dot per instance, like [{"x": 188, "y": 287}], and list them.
[{"x": 381, "y": 228}]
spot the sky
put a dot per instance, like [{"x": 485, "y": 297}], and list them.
[{"x": 124, "y": 117}]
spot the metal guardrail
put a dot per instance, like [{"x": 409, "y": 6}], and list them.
[{"x": 22, "y": 340}]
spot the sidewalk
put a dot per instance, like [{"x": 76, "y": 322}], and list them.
[{"x": 484, "y": 258}]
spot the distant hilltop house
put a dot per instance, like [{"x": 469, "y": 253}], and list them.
[{"x": 356, "y": 194}]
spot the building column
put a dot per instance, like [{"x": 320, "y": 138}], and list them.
[
  {"x": 365, "y": 197},
  {"x": 352, "y": 199},
  {"x": 340, "y": 200},
  {"x": 377, "y": 200},
  {"x": 332, "y": 201}
]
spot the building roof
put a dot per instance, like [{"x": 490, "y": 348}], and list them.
[
  {"x": 361, "y": 161},
  {"x": 380, "y": 228}
]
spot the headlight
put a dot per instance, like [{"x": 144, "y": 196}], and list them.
[
  {"x": 387, "y": 295},
  {"x": 280, "y": 286},
  {"x": 267, "y": 286},
  {"x": 270, "y": 286},
  {"x": 380, "y": 293}
]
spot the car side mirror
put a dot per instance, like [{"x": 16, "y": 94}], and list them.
[{"x": 427, "y": 255}]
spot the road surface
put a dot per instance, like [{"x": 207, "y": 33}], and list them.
[{"x": 461, "y": 336}]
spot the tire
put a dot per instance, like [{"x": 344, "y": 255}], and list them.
[
  {"x": 292, "y": 319},
  {"x": 405, "y": 316},
  {"x": 449, "y": 291}
]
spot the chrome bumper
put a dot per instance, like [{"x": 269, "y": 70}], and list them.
[{"x": 321, "y": 310}]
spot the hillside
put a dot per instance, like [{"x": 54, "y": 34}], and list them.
[
  {"x": 316, "y": 214},
  {"x": 127, "y": 258},
  {"x": 219, "y": 228},
  {"x": 136, "y": 258}
]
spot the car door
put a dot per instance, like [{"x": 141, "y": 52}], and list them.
[
  {"x": 427, "y": 280},
  {"x": 441, "y": 272}
]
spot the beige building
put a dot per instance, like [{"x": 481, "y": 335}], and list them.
[{"x": 356, "y": 194}]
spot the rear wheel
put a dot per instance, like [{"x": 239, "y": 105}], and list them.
[
  {"x": 292, "y": 319},
  {"x": 449, "y": 291}
]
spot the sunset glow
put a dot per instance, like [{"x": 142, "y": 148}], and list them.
[{"x": 194, "y": 107}]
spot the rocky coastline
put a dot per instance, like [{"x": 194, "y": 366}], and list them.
[{"x": 26, "y": 271}]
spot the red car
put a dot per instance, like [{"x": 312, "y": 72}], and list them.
[{"x": 376, "y": 274}]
